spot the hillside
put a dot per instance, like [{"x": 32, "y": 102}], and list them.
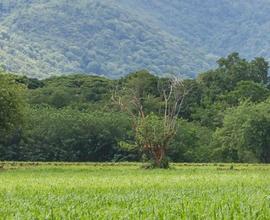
[
  {"x": 56, "y": 37},
  {"x": 115, "y": 37},
  {"x": 217, "y": 28}
]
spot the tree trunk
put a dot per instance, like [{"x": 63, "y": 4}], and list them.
[{"x": 159, "y": 157}]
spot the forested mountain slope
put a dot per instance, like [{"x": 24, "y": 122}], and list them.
[
  {"x": 220, "y": 27},
  {"x": 115, "y": 37}
]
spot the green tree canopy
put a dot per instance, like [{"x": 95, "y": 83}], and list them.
[
  {"x": 11, "y": 105},
  {"x": 244, "y": 136}
]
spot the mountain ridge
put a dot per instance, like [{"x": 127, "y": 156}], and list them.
[{"x": 113, "y": 38}]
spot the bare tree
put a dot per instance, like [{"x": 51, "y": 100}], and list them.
[{"x": 154, "y": 133}]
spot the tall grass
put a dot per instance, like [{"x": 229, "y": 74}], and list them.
[{"x": 93, "y": 191}]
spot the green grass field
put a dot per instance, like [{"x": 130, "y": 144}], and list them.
[{"x": 124, "y": 191}]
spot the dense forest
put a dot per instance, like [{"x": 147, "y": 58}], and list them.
[
  {"x": 224, "y": 117},
  {"x": 115, "y": 37},
  {"x": 43, "y": 38}
]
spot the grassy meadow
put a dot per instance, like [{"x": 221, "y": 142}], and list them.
[{"x": 125, "y": 191}]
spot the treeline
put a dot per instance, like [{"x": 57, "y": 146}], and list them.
[{"x": 224, "y": 117}]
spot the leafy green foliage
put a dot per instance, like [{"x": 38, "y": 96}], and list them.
[
  {"x": 245, "y": 134},
  {"x": 150, "y": 131},
  {"x": 73, "y": 118},
  {"x": 69, "y": 135},
  {"x": 247, "y": 90},
  {"x": 11, "y": 106},
  {"x": 191, "y": 143},
  {"x": 79, "y": 90},
  {"x": 234, "y": 80}
]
